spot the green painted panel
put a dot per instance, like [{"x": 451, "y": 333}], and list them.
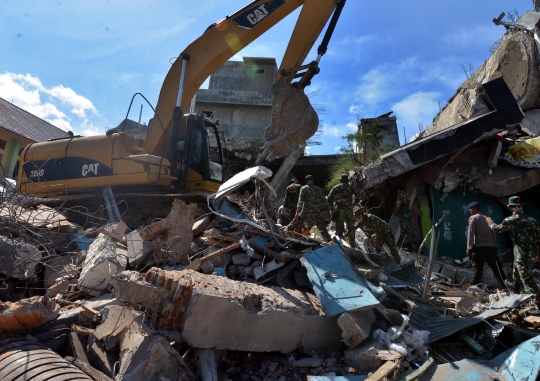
[
  {"x": 12, "y": 156},
  {"x": 453, "y": 236}
]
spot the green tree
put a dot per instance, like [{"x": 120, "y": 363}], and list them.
[{"x": 362, "y": 146}]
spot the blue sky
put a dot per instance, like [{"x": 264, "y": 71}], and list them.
[{"x": 77, "y": 64}]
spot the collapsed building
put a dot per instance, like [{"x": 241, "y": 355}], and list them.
[{"x": 219, "y": 291}]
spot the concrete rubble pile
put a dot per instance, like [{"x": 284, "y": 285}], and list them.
[{"x": 210, "y": 295}]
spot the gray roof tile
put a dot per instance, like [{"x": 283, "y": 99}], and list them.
[{"x": 23, "y": 123}]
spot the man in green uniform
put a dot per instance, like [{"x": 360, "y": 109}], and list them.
[
  {"x": 403, "y": 212},
  {"x": 525, "y": 234},
  {"x": 341, "y": 200},
  {"x": 379, "y": 231},
  {"x": 308, "y": 208},
  {"x": 291, "y": 195}
]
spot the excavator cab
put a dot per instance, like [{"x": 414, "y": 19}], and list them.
[{"x": 197, "y": 160}]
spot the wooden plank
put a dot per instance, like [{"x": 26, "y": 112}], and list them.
[
  {"x": 270, "y": 253},
  {"x": 473, "y": 344},
  {"x": 420, "y": 371},
  {"x": 387, "y": 368},
  {"x": 82, "y": 330},
  {"x": 455, "y": 155},
  {"x": 196, "y": 264}
]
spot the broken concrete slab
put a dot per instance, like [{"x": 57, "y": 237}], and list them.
[
  {"x": 115, "y": 320},
  {"x": 138, "y": 250},
  {"x": 60, "y": 266},
  {"x": 100, "y": 358},
  {"x": 77, "y": 349},
  {"x": 153, "y": 358},
  {"x": 355, "y": 326},
  {"x": 26, "y": 314},
  {"x": 18, "y": 259},
  {"x": 365, "y": 359},
  {"x": 100, "y": 264},
  {"x": 179, "y": 234},
  {"x": 216, "y": 312}
]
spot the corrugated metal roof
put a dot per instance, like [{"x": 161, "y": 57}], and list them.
[
  {"x": 21, "y": 359},
  {"x": 23, "y": 123},
  {"x": 427, "y": 318}
]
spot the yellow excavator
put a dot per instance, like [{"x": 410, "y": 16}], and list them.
[{"x": 176, "y": 151}]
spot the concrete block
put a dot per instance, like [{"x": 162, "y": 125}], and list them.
[
  {"x": 61, "y": 266},
  {"x": 216, "y": 312},
  {"x": 241, "y": 259},
  {"x": 138, "y": 250},
  {"x": 450, "y": 272},
  {"x": 100, "y": 264},
  {"x": 200, "y": 226},
  {"x": 26, "y": 314},
  {"x": 207, "y": 267},
  {"x": 463, "y": 275},
  {"x": 116, "y": 320},
  {"x": 152, "y": 358},
  {"x": 364, "y": 359},
  {"x": 355, "y": 326},
  {"x": 179, "y": 235},
  {"x": 18, "y": 259},
  {"x": 437, "y": 267},
  {"x": 100, "y": 358}
]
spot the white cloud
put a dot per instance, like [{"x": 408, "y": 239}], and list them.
[
  {"x": 89, "y": 129},
  {"x": 28, "y": 93},
  {"x": 339, "y": 131},
  {"x": 472, "y": 36},
  {"x": 386, "y": 81},
  {"x": 306, "y": 150},
  {"x": 337, "y": 148},
  {"x": 61, "y": 123},
  {"x": 357, "y": 109},
  {"x": 79, "y": 103},
  {"x": 420, "y": 107}
]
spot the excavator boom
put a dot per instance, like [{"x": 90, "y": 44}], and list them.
[{"x": 176, "y": 150}]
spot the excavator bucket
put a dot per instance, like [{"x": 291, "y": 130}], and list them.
[{"x": 293, "y": 121}]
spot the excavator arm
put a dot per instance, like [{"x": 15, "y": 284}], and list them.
[
  {"x": 176, "y": 146},
  {"x": 224, "y": 39}
]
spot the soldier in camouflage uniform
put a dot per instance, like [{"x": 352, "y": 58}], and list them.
[
  {"x": 403, "y": 212},
  {"x": 341, "y": 200},
  {"x": 525, "y": 234},
  {"x": 308, "y": 208},
  {"x": 291, "y": 195},
  {"x": 373, "y": 225}
]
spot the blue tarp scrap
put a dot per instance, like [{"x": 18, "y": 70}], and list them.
[
  {"x": 336, "y": 284},
  {"x": 520, "y": 363},
  {"x": 82, "y": 241},
  {"x": 260, "y": 240}
]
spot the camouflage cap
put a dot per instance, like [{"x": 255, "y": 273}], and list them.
[
  {"x": 309, "y": 177},
  {"x": 293, "y": 180},
  {"x": 514, "y": 201},
  {"x": 344, "y": 177}
]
